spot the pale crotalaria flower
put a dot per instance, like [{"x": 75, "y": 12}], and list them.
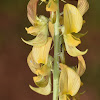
[
  {"x": 69, "y": 82},
  {"x": 39, "y": 28},
  {"x": 73, "y": 22}
]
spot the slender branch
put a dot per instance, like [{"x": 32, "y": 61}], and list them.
[{"x": 56, "y": 57}]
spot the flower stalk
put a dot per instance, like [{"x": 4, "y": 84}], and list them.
[{"x": 56, "y": 56}]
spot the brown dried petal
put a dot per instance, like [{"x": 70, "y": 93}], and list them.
[{"x": 31, "y": 11}]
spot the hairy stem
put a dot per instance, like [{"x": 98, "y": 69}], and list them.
[{"x": 56, "y": 57}]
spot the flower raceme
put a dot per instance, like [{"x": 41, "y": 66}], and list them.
[{"x": 39, "y": 60}]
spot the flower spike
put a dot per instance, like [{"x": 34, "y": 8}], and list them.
[{"x": 64, "y": 29}]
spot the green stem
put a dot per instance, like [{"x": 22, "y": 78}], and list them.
[{"x": 56, "y": 57}]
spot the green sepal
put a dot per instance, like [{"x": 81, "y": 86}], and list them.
[
  {"x": 41, "y": 81},
  {"x": 78, "y": 35}
]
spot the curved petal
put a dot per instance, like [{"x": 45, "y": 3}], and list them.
[
  {"x": 32, "y": 64},
  {"x": 50, "y": 61},
  {"x": 40, "y": 54},
  {"x": 51, "y": 6},
  {"x": 41, "y": 81},
  {"x": 33, "y": 30},
  {"x": 43, "y": 76},
  {"x": 43, "y": 90},
  {"x": 73, "y": 20},
  {"x": 40, "y": 39},
  {"x": 83, "y": 6},
  {"x": 73, "y": 51},
  {"x": 44, "y": 70},
  {"x": 42, "y": 20},
  {"x": 63, "y": 97},
  {"x": 71, "y": 40},
  {"x": 63, "y": 81},
  {"x": 31, "y": 11},
  {"x": 81, "y": 66},
  {"x": 70, "y": 77}
]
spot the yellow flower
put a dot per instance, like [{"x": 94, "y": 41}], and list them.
[
  {"x": 32, "y": 64},
  {"x": 40, "y": 54},
  {"x": 43, "y": 90},
  {"x": 43, "y": 72},
  {"x": 81, "y": 66},
  {"x": 39, "y": 28},
  {"x": 40, "y": 31},
  {"x": 43, "y": 78},
  {"x": 73, "y": 22},
  {"x": 69, "y": 82},
  {"x": 51, "y": 6}
]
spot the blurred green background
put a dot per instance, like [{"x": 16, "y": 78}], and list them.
[{"x": 15, "y": 76}]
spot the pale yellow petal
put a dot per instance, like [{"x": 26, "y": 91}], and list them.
[
  {"x": 71, "y": 40},
  {"x": 73, "y": 51},
  {"x": 62, "y": 97},
  {"x": 73, "y": 20},
  {"x": 44, "y": 70},
  {"x": 81, "y": 66},
  {"x": 50, "y": 61},
  {"x": 33, "y": 30},
  {"x": 42, "y": 20},
  {"x": 43, "y": 90},
  {"x": 41, "y": 81},
  {"x": 40, "y": 39},
  {"x": 32, "y": 64},
  {"x": 63, "y": 81},
  {"x": 43, "y": 0},
  {"x": 40, "y": 54},
  {"x": 73, "y": 80},
  {"x": 51, "y": 6},
  {"x": 83, "y": 6}
]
